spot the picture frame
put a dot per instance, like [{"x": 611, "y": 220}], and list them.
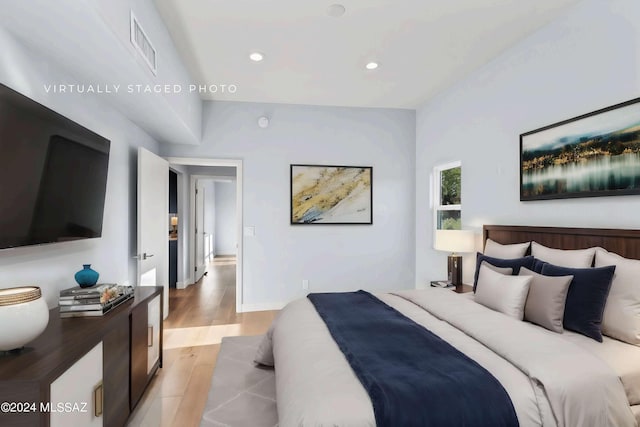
[
  {"x": 331, "y": 195},
  {"x": 592, "y": 155}
]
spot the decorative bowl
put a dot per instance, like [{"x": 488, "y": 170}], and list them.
[{"x": 23, "y": 316}]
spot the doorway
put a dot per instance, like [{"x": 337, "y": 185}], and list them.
[
  {"x": 174, "y": 215},
  {"x": 202, "y": 242}
]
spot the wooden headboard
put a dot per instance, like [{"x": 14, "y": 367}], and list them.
[{"x": 622, "y": 242}]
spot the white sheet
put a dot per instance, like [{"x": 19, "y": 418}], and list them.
[
  {"x": 636, "y": 412},
  {"x": 622, "y": 358}
]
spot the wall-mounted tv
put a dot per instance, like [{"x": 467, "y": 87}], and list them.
[{"x": 53, "y": 175}]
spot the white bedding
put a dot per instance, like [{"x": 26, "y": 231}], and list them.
[
  {"x": 622, "y": 358},
  {"x": 316, "y": 386},
  {"x": 636, "y": 412}
]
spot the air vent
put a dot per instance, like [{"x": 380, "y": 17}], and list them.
[{"x": 142, "y": 43}]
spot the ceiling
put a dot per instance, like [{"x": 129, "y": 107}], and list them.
[{"x": 422, "y": 46}]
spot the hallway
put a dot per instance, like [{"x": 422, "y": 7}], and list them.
[
  {"x": 200, "y": 316},
  {"x": 212, "y": 301}
]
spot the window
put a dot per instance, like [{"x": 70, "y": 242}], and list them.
[{"x": 447, "y": 200}]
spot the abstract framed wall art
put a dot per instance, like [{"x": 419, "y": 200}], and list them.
[
  {"x": 596, "y": 154},
  {"x": 331, "y": 194}
]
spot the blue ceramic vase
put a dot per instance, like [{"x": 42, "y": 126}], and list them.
[{"x": 86, "y": 277}]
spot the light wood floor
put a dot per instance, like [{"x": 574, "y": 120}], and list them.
[{"x": 199, "y": 317}]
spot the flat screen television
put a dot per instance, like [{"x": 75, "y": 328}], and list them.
[{"x": 53, "y": 175}]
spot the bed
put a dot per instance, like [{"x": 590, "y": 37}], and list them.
[{"x": 551, "y": 379}]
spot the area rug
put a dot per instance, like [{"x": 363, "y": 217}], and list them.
[{"x": 241, "y": 394}]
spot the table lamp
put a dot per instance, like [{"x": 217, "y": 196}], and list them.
[
  {"x": 454, "y": 241},
  {"x": 174, "y": 224}
]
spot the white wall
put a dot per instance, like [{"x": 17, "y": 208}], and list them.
[
  {"x": 185, "y": 104},
  {"x": 90, "y": 38},
  {"x": 52, "y": 266},
  {"x": 225, "y": 218},
  {"x": 280, "y": 256},
  {"x": 585, "y": 61}
]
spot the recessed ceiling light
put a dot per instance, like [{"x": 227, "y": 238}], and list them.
[
  {"x": 256, "y": 56},
  {"x": 336, "y": 10},
  {"x": 371, "y": 66}
]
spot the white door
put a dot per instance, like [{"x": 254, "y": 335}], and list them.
[
  {"x": 153, "y": 222},
  {"x": 200, "y": 233}
]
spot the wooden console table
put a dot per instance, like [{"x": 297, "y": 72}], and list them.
[{"x": 98, "y": 368}]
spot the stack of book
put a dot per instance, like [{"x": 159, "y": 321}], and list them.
[{"x": 94, "y": 301}]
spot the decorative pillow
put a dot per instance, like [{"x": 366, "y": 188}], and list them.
[
  {"x": 497, "y": 250},
  {"x": 515, "y": 264},
  {"x": 506, "y": 294},
  {"x": 507, "y": 271},
  {"x": 580, "y": 258},
  {"x": 264, "y": 354},
  {"x": 622, "y": 312},
  {"x": 587, "y": 296},
  {"x": 537, "y": 265},
  {"x": 546, "y": 300}
]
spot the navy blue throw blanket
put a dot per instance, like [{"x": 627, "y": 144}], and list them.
[{"x": 413, "y": 377}]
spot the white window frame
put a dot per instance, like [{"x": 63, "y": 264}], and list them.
[{"x": 436, "y": 189}]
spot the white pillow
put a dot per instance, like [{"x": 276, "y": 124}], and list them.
[
  {"x": 498, "y": 250},
  {"x": 502, "y": 270},
  {"x": 264, "y": 354},
  {"x": 579, "y": 258},
  {"x": 546, "y": 299},
  {"x": 621, "y": 318},
  {"x": 506, "y": 294}
]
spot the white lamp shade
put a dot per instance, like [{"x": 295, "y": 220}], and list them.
[{"x": 455, "y": 241}]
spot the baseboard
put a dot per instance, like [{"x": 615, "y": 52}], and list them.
[
  {"x": 185, "y": 283},
  {"x": 262, "y": 307}
]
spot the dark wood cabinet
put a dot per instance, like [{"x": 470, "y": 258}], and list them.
[
  {"x": 116, "y": 348},
  {"x": 146, "y": 345},
  {"x": 26, "y": 377}
]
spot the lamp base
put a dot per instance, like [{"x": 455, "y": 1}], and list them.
[{"x": 454, "y": 269}]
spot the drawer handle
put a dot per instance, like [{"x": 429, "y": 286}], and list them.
[
  {"x": 98, "y": 398},
  {"x": 150, "y": 336}
]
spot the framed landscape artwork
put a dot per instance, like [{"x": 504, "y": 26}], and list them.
[
  {"x": 597, "y": 154},
  {"x": 331, "y": 194}
]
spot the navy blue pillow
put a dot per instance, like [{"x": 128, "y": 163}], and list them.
[
  {"x": 587, "y": 296},
  {"x": 537, "y": 265},
  {"x": 514, "y": 263}
]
